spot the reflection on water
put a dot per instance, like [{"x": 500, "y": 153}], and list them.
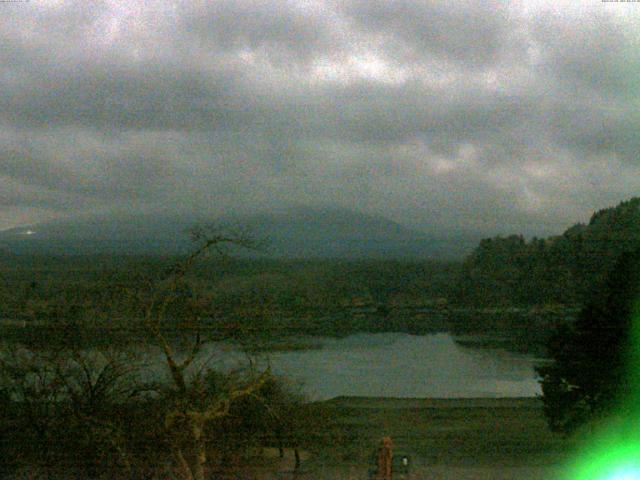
[{"x": 402, "y": 365}]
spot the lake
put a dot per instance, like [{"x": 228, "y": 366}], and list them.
[
  {"x": 402, "y": 365},
  {"x": 377, "y": 365}
]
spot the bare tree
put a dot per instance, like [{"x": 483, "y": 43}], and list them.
[
  {"x": 62, "y": 404},
  {"x": 193, "y": 408},
  {"x": 82, "y": 406}
]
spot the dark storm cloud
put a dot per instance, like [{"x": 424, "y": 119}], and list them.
[{"x": 474, "y": 115}]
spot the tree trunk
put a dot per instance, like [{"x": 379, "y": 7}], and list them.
[
  {"x": 198, "y": 471},
  {"x": 185, "y": 469},
  {"x": 296, "y": 453},
  {"x": 200, "y": 452},
  {"x": 280, "y": 443}
]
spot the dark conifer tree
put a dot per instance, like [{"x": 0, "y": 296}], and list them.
[{"x": 592, "y": 367}]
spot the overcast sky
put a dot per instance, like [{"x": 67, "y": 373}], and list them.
[{"x": 490, "y": 117}]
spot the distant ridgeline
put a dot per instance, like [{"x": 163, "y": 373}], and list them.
[{"x": 561, "y": 269}]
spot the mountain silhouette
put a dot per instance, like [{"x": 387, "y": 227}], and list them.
[{"x": 300, "y": 233}]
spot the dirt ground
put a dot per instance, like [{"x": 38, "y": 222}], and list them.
[
  {"x": 438, "y": 472},
  {"x": 489, "y": 473},
  {"x": 456, "y": 439}
]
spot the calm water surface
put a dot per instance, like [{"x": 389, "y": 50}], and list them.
[{"x": 402, "y": 365}]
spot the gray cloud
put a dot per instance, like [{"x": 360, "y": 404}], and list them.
[
  {"x": 468, "y": 116},
  {"x": 471, "y": 34}
]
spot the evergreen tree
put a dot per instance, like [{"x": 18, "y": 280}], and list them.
[{"x": 590, "y": 370}]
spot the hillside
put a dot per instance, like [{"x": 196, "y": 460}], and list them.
[{"x": 560, "y": 269}]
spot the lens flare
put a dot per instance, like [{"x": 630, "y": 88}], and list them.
[
  {"x": 613, "y": 450},
  {"x": 625, "y": 474}
]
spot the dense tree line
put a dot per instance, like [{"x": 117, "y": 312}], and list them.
[
  {"x": 564, "y": 269},
  {"x": 593, "y": 367},
  {"x": 91, "y": 293}
]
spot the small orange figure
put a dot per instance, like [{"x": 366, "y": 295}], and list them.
[{"x": 385, "y": 459}]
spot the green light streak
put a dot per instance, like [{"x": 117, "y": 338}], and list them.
[{"x": 613, "y": 451}]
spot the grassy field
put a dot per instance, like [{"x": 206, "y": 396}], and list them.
[{"x": 448, "y": 438}]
